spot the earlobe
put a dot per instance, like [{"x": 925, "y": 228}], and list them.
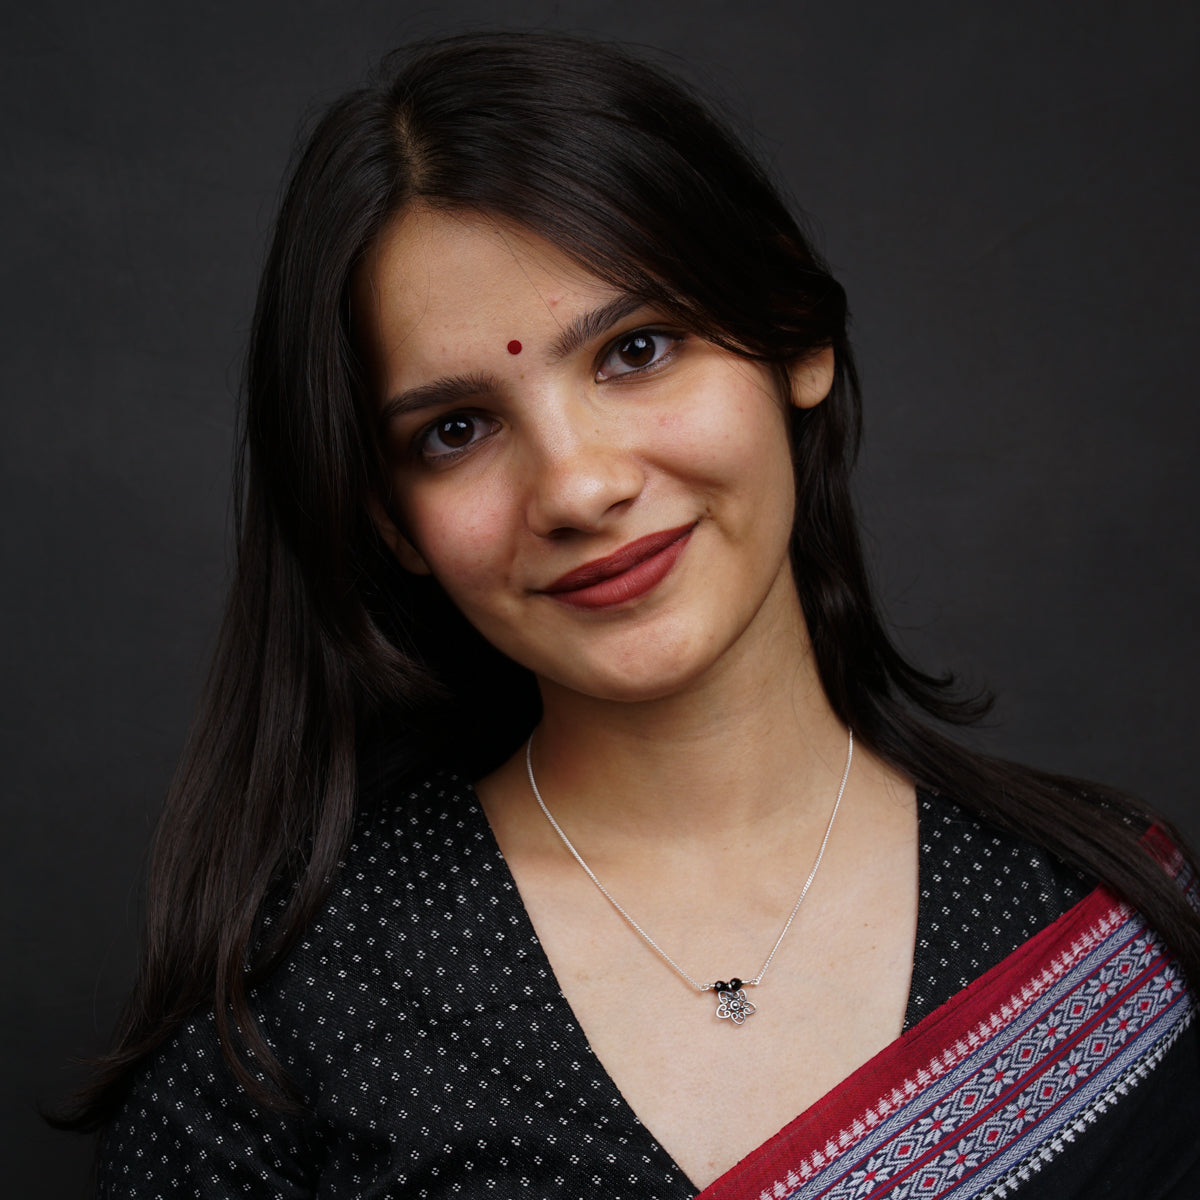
[
  {"x": 812, "y": 378},
  {"x": 406, "y": 554},
  {"x": 408, "y": 557}
]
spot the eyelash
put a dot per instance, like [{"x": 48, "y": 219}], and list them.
[{"x": 425, "y": 436}]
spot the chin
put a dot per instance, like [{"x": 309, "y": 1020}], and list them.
[{"x": 644, "y": 680}]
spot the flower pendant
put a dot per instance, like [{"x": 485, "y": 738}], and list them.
[{"x": 733, "y": 1003}]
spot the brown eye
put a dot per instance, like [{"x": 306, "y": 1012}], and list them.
[
  {"x": 455, "y": 432},
  {"x": 637, "y": 351},
  {"x": 642, "y": 350}
]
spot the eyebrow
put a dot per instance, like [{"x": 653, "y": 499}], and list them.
[
  {"x": 452, "y": 390},
  {"x": 592, "y": 324}
]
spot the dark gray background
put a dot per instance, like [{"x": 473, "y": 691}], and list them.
[{"x": 1008, "y": 191}]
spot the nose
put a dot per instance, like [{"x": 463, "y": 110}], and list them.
[{"x": 582, "y": 473}]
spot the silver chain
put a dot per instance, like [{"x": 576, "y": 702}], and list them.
[{"x": 700, "y": 987}]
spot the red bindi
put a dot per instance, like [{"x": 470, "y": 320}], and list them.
[{"x": 514, "y": 347}]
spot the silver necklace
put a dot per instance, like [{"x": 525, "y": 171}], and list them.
[{"x": 731, "y": 993}]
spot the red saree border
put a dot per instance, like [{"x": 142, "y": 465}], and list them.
[{"x": 943, "y": 1056}]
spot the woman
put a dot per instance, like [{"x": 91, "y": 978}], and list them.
[{"x": 559, "y": 816}]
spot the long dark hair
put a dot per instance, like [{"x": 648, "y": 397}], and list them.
[{"x": 336, "y": 672}]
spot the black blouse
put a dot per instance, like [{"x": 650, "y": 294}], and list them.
[{"x": 436, "y": 1055}]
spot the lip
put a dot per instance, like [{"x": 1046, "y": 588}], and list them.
[{"x": 625, "y": 574}]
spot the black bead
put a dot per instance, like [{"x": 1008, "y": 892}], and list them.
[
  {"x": 720, "y": 986},
  {"x": 734, "y": 984}
]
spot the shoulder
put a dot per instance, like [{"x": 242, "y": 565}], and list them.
[
  {"x": 962, "y": 850},
  {"x": 430, "y": 823},
  {"x": 420, "y": 877},
  {"x": 419, "y": 881},
  {"x": 411, "y": 843},
  {"x": 983, "y": 893}
]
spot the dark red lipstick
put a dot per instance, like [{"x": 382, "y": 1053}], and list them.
[{"x": 625, "y": 574}]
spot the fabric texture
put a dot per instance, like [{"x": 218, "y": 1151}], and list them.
[
  {"x": 1028, "y": 1066},
  {"x": 437, "y": 1057}
]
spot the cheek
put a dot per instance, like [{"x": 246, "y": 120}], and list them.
[
  {"x": 463, "y": 543},
  {"x": 737, "y": 444}
]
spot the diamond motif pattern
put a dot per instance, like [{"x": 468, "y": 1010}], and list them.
[{"x": 1020, "y": 1087}]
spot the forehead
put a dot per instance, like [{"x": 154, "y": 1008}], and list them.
[{"x": 441, "y": 283}]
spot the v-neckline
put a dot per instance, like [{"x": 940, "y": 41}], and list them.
[{"x": 571, "y": 1023}]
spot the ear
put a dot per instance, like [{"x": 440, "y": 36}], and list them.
[
  {"x": 405, "y": 552},
  {"x": 812, "y": 378}
]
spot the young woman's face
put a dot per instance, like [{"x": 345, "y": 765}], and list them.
[{"x": 605, "y": 497}]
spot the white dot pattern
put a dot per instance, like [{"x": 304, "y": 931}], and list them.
[
  {"x": 983, "y": 893},
  {"x": 436, "y": 1055}
]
